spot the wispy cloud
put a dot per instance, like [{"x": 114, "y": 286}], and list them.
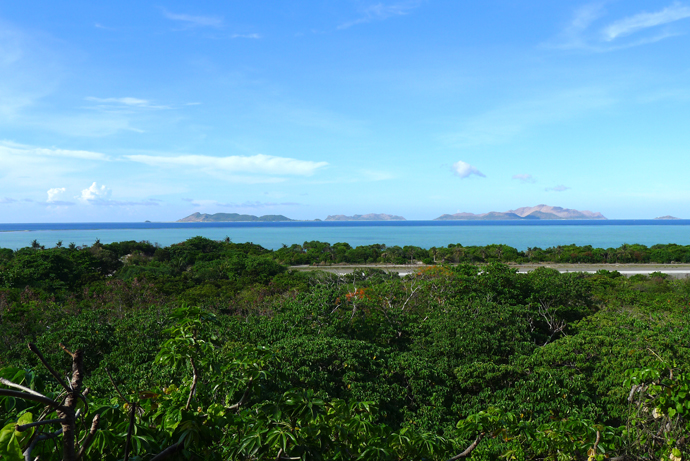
[
  {"x": 7, "y": 200},
  {"x": 8, "y": 148},
  {"x": 190, "y": 21},
  {"x": 255, "y": 164},
  {"x": 126, "y": 102},
  {"x": 465, "y": 170},
  {"x": 645, "y": 20},
  {"x": 253, "y": 36},
  {"x": 572, "y": 35},
  {"x": 580, "y": 33},
  {"x": 98, "y": 25},
  {"x": 526, "y": 178},
  {"x": 559, "y": 188},
  {"x": 381, "y": 11}
]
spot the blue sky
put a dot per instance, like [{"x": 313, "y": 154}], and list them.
[{"x": 127, "y": 111}]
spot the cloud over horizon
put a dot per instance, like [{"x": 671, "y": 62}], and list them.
[
  {"x": 465, "y": 170},
  {"x": 94, "y": 193}
]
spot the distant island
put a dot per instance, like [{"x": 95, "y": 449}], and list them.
[
  {"x": 232, "y": 217},
  {"x": 667, "y": 217},
  {"x": 535, "y": 212},
  {"x": 366, "y": 217}
]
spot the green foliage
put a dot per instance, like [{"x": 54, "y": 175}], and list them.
[{"x": 220, "y": 347}]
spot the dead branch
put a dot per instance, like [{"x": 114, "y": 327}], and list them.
[
  {"x": 596, "y": 442},
  {"x": 244, "y": 396},
  {"x": 66, "y": 350},
  {"x": 414, "y": 290},
  {"x": 19, "y": 386},
  {"x": 36, "y": 398},
  {"x": 89, "y": 437},
  {"x": 24, "y": 427},
  {"x": 469, "y": 449},
  {"x": 40, "y": 438},
  {"x": 60, "y": 381},
  {"x": 195, "y": 380}
]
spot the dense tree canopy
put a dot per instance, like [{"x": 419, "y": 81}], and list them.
[{"x": 220, "y": 351}]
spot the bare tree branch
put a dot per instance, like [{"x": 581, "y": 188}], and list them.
[
  {"x": 469, "y": 449},
  {"x": 24, "y": 427},
  {"x": 195, "y": 380},
  {"x": 60, "y": 381},
  {"x": 40, "y": 438},
  {"x": 35, "y": 398},
  {"x": 89, "y": 437},
  {"x": 66, "y": 350},
  {"x": 9, "y": 383},
  {"x": 112, "y": 381},
  {"x": 244, "y": 396}
]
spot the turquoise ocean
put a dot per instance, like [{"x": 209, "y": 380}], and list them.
[{"x": 426, "y": 234}]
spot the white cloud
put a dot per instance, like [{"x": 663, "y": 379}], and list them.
[
  {"x": 10, "y": 148},
  {"x": 194, "y": 21},
  {"x": 559, "y": 188},
  {"x": 54, "y": 193},
  {"x": 6, "y": 200},
  {"x": 95, "y": 193},
  {"x": 645, "y": 20},
  {"x": 380, "y": 11},
  {"x": 579, "y": 33},
  {"x": 254, "y": 36},
  {"x": 527, "y": 178},
  {"x": 126, "y": 102},
  {"x": 465, "y": 170},
  {"x": 583, "y": 17},
  {"x": 255, "y": 164}
]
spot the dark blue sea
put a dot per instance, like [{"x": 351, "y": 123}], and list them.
[{"x": 426, "y": 234}]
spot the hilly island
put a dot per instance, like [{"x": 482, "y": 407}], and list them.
[
  {"x": 539, "y": 212},
  {"x": 535, "y": 212},
  {"x": 232, "y": 217}
]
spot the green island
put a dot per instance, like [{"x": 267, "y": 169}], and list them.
[{"x": 221, "y": 351}]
